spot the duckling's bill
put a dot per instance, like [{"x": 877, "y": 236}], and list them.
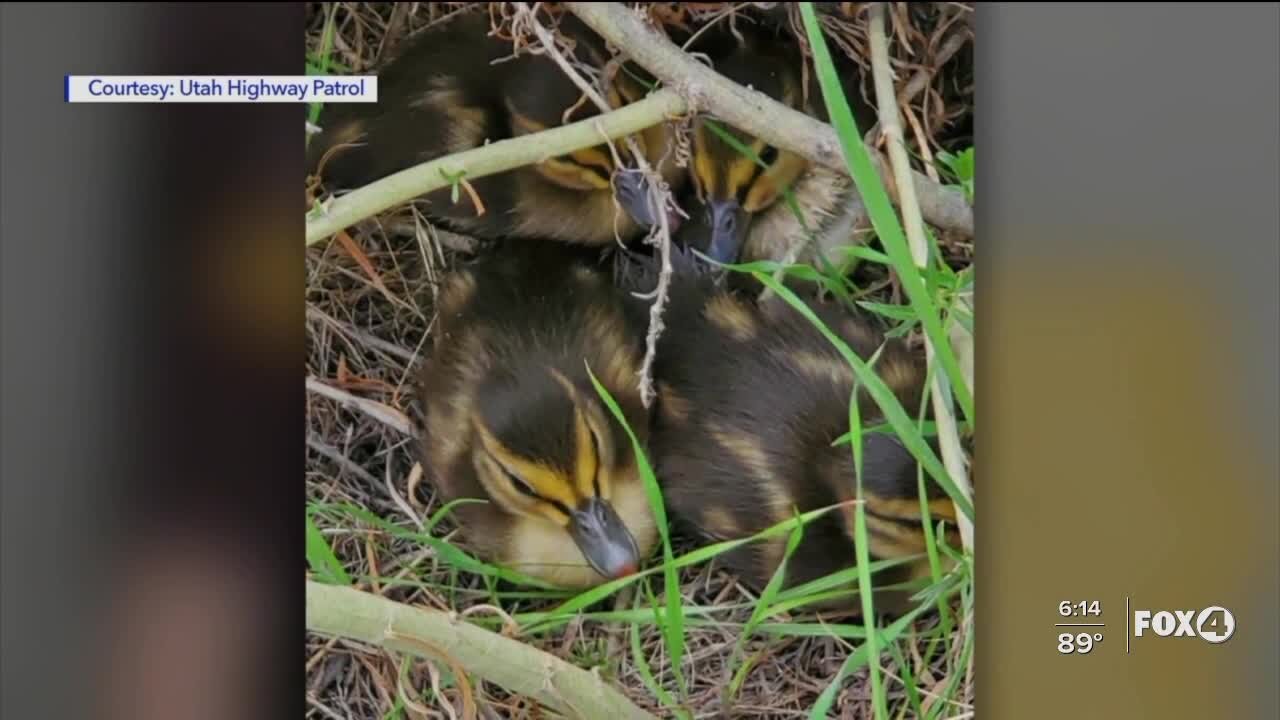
[
  {"x": 604, "y": 540},
  {"x": 631, "y": 189},
  {"x": 729, "y": 224}
]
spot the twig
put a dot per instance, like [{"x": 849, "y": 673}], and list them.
[
  {"x": 923, "y": 76},
  {"x": 401, "y": 187},
  {"x": 753, "y": 111},
  {"x": 659, "y": 197},
  {"x": 320, "y": 706},
  {"x": 520, "y": 668},
  {"x": 384, "y": 414},
  {"x": 655, "y": 312},
  {"x": 918, "y": 82},
  {"x": 392, "y": 35},
  {"x": 356, "y": 333},
  {"x": 315, "y": 444},
  {"x": 399, "y": 501},
  {"x": 913, "y": 224}
]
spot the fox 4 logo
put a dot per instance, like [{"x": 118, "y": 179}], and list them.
[{"x": 1212, "y": 624}]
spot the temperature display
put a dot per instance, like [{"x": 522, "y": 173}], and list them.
[
  {"x": 1081, "y": 626},
  {"x": 1078, "y": 643}
]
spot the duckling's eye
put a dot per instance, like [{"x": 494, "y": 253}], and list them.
[
  {"x": 595, "y": 449},
  {"x": 520, "y": 485},
  {"x": 528, "y": 491},
  {"x": 769, "y": 156}
]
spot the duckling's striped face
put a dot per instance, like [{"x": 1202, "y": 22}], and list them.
[
  {"x": 587, "y": 169},
  {"x": 734, "y": 186},
  {"x": 562, "y": 469},
  {"x": 599, "y": 168},
  {"x": 891, "y": 498}
]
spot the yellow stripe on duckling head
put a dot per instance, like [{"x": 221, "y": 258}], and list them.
[
  {"x": 594, "y": 157},
  {"x": 571, "y": 175},
  {"x": 576, "y": 171},
  {"x": 525, "y": 486},
  {"x": 587, "y": 462},
  {"x": 742, "y": 170},
  {"x": 594, "y": 453},
  {"x": 774, "y": 180}
]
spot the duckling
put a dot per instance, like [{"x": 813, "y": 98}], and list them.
[
  {"x": 751, "y": 399},
  {"x": 511, "y": 416},
  {"x": 745, "y": 216},
  {"x": 455, "y": 87}
]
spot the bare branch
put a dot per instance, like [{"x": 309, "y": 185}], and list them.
[
  {"x": 913, "y": 224},
  {"x": 753, "y": 111}
]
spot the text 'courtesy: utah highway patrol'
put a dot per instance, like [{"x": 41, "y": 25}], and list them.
[{"x": 220, "y": 88}]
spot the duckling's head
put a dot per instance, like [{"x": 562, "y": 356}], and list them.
[
  {"x": 549, "y": 459},
  {"x": 732, "y": 186},
  {"x": 547, "y": 99},
  {"x": 894, "y": 517}
]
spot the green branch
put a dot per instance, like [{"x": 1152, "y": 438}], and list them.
[
  {"x": 401, "y": 187},
  {"x": 349, "y": 613}
]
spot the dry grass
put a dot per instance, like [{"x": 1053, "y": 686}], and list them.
[{"x": 370, "y": 299}]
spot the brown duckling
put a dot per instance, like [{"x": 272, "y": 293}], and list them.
[
  {"x": 511, "y": 416},
  {"x": 456, "y": 86},
  {"x": 744, "y": 215},
  {"x": 751, "y": 399}
]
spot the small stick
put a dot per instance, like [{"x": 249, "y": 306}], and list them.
[
  {"x": 401, "y": 187},
  {"x": 520, "y": 668},
  {"x": 913, "y": 224},
  {"x": 921, "y": 79},
  {"x": 356, "y": 333},
  {"x": 384, "y": 414},
  {"x": 753, "y": 111},
  {"x": 399, "y": 500},
  {"x": 339, "y": 458},
  {"x": 659, "y": 197}
]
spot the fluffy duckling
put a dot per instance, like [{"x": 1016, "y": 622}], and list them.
[
  {"x": 455, "y": 87},
  {"x": 744, "y": 215},
  {"x": 751, "y": 398},
  {"x": 511, "y": 416}
]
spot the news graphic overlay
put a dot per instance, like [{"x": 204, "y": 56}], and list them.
[
  {"x": 1082, "y": 626},
  {"x": 221, "y": 88}
]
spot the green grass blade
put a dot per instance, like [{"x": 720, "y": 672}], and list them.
[
  {"x": 956, "y": 675},
  {"x": 880, "y": 209},
  {"x": 834, "y": 580},
  {"x": 902, "y": 424},
  {"x": 764, "y": 608},
  {"x": 908, "y": 680},
  {"x": 447, "y": 552},
  {"x": 693, "y": 557},
  {"x": 863, "y": 555},
  {"x": 893, "y": 312},
  {"x": 321, "y": 64},
  {"x": 646, "y": 673},
  {"x": 693, "y": 614},
  {"x": 927, "y": 429},
  {"x": 326, "y": 47},
  {"x": 865, "y": 253},
  {"x": 673, "y": 630},
  {"x": 321, "y": 558},
  {"x": 822, "y": 708}
]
